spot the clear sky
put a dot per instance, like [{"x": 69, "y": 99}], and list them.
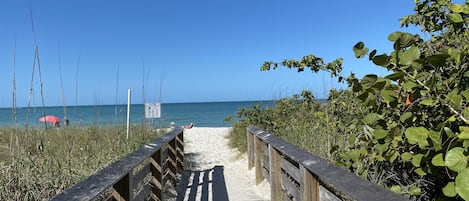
[{"x": 190, "y": 51}]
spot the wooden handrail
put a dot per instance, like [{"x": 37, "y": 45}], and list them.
[
  {"x": 125, "y": 177},
  {"x": 295, "y": 174}
]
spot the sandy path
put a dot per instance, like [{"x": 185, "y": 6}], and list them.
[{"x": 208, "y": 148}]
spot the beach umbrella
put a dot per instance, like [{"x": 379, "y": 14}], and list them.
[{"x": 50, "y": 119}]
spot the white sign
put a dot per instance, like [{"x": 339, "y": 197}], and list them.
[{"x": 152, "y": 110}]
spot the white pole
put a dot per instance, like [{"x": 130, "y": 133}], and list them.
[{"x": 128, "y": 113}]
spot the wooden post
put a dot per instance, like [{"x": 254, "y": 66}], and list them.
[
  {"x": 250, "y": 150},
  {"x": 172, "y": 163},
  {"x": 309, "y": 185},
  {"x": 123, "y": 190},
  {"x": 258, "y": 160},
  {"x": 157, "y": 174},
  {"x": 275, "y": 160},
  {"x": 180, "y": 152}
]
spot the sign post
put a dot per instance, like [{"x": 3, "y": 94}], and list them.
[{"x": 152, "y": 110}]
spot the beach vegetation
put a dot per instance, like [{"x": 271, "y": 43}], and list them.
[
  {"x": 408, "y": 130},
  {"x": 37, "y": 163}
]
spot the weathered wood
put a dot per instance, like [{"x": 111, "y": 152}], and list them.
[
  {"x": 96, "y": 184},
  {"x": 144, "y": 193},
  {"x": 309, "y": 186},
  {"x": 291, "y": 170},
  {"x": 123, "y": 189},
  {"x": 157, "y": 174},
  {"x": 250, "y": 148},
  {"x": 291, "y": 188},
  {"x": 345, "y": 185},
  {"x": 275, "y": 175},
  {"x": 180, "y": 152},
  {"x": 258, "y": 160},
  {"x": 140, "y": 175}
]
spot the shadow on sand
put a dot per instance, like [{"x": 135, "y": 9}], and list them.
[{"x": 209, "y": 181}]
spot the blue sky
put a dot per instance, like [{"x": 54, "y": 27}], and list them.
[{"x": 190, "y": 51}]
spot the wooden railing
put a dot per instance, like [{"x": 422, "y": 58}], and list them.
[
  {"x": 138, "y": 176},
  {"x": 295, "y": 174}
]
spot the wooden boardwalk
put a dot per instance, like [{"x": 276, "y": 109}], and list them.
[
  {"x": 214, "y": 171},
  {"x": 197, "y": 164}
]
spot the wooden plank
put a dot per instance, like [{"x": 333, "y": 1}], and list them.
[
  {"x": 157, "y": 174},
  {"x": 180, "y": 152},
  {"x": 93, "y": 186},
  {"x": 258, "y": 160},
  {"x": 344, "y": 184},
  {"x": 291, "y": 170},
  {"x": 309, "y": 186},
  {"x": 250, "y": 148},
  {"x": 275, "y": 175},
  {"x": 140, "y": 175},
  {"x": 123, "y": 189},
  {"x": 144, "y": 193},
  {"x": 291, "y": 188}
]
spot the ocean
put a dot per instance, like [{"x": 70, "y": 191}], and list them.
[{"x": 205, "y": 114}]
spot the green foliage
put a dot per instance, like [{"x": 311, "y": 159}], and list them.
[
  {"x": 415, "y": 121},
  {"x": 42, "y": 163}
]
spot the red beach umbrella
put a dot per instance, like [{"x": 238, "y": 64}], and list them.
[{"x": 50, "y": 119}]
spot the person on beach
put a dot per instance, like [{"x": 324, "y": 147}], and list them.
[{"x": 189, "y": 126}]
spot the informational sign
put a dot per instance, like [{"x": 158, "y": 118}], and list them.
[{"x": 152, "y": 110}]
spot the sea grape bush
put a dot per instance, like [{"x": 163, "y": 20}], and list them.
[{"x": 416, "y": 122}]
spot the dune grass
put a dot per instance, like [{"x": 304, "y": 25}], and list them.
[{"x": 36, "y": 164}]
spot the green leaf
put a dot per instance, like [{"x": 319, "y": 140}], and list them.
[
  {"x": 454, "y": 98},
  {"x": 465, "y": 144},
  {"x": 388, "y": 96},
  {"x": 394, "y": 36},
  {"x": 360, "y": 50},
  {"x": 415, "y": 190},
  {"x": 438, "y": 160},
  {"x": 449, "y": 132},
  {"x": 405, "y": 116},
  {"x": 429, "y": 102},
  {"x": 455, "y": 159},
  {"x": 371, "y": 118},
  {"x": 396, "y": 189},
  {"x": 408, "y": 56},
  {"x": 457, "y": 8},
  {"x": 368, "y": 81},
  {"x": 462, "y": 184},
  {"x": 416, "y": 135},
  {"x": 420, "y": 172},
  {"x": 380, "y": 133},
  {"x": 437, "y": 60},
  {"x": 466, "y": 113},
  {"x": 395, "y": 76},
  {"x": 464, "y": 133},
  {"x": 417, "y": 159},
  {"x": 351, "y": 140},
  {"x": 409, "y": 85},
  {"x": 466, "y": 94},
  {"x": 405, "y": 40},
  {"x": 449, "y": 190},
  {"x": 380, "y": 83},
  {"x": 382, "y": 147},
  {"x": 382, "y": 60},
  {"x": 455, "y": 18},
  {"x": 406, "y": 156}
]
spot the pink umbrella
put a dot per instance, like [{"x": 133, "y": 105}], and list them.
[{"x": 50, "y": 119}]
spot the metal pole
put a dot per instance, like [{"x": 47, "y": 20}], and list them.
[{"x": 128, "y": 113}]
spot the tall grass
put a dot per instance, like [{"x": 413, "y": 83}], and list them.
[
  {"x": 301, "y": 120},
  {"x": 50, "y": 161}
]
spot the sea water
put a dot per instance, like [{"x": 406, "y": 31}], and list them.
[{"x": 206, "y": 114}]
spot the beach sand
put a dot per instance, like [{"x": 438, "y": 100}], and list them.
[{"x": 212, "y": 162}]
